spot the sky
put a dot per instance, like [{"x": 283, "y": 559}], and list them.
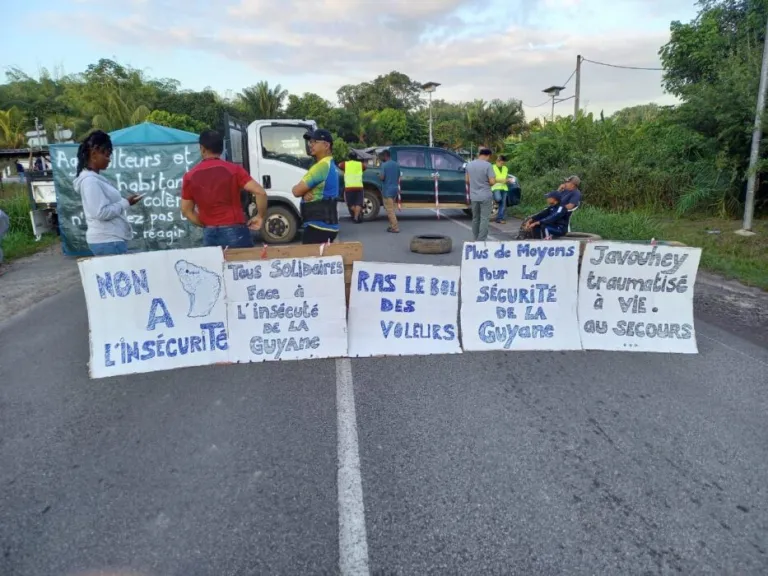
[{"x": 475, "y": 49}]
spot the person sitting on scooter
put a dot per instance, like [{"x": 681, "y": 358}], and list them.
[{"x": 552, "y": 222}]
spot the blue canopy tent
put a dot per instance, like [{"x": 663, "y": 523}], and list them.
[
  {"x": 149, "y": 133},
  {"x": 149, "y": 159}
]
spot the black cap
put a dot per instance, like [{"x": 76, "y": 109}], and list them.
[{"x": 319, "y": 135}]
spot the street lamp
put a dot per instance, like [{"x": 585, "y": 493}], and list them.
[
  {"x": 554, "y": 92},
  {"x": 430, "y": 87}
]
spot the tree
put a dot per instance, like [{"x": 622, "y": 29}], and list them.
[
  {"x": 309, "y": 106},
  {"x": 394, "y": 90},
  {"x": 261, "y": 102},
  {"x": 179, "y": 121},
  {"x": 390, "y": 126}
]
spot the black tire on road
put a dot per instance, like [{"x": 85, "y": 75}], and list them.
[
  {"x": 581, "y": 236},
  {"x": 467, "y": 212},
  {"x": 431, "y": 244},
  {"x": 280, "y": 226},
  {"x": 371, "y": 205}
]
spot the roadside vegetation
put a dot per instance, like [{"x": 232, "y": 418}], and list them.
[
  {"x": 19, "y": 241},
  {"x": 647, "y": 171}
]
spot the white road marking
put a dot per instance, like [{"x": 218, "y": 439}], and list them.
[
  {"x": 732, "y": 349},
  {"x": 491, "y": 237},
  {"x": 353, "y": 541}
]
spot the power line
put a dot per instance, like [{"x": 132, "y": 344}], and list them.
[
  {"x": 547, "y": 101},
  {"x": 569, "y": 78},
  {"x": 619, "y": 66}
]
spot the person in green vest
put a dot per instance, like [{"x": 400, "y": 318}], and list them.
[
  {"x": 500, "y": 189},
  {"x": 353, "y": 186}
]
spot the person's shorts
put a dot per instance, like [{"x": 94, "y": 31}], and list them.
[{"x": 354, "y": 197}]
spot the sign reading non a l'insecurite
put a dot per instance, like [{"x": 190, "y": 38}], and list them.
[{"x": 155, "y": 311}]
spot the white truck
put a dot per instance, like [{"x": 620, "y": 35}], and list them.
[{"x": 274, "y": 152}]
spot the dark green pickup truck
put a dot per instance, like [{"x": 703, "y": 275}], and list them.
[{"x": 419, "y": 166}]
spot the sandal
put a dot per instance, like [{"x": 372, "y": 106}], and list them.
[{"x": 393, "y": 230}]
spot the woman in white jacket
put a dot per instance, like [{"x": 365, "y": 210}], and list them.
[{"x": 105, "y": 209}]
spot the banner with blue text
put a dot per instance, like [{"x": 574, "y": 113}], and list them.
[{"x": 519, "y": 296}]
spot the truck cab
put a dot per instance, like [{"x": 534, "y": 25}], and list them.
[{"x": 274, "y": 153}]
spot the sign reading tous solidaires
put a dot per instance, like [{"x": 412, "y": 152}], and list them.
[
  {"x": 286, "y": 309},
  {"x": 519, "y": 295},
  {"x": 638, "y": 298},
  {"x": 155, "y": 311},
  {"x": 403, "y": 309}
]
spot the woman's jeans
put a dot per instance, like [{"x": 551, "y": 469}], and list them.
[
  {"x": 501, "y": 199},
  {"x": 238, "y": 236},
  {"x": 109, "y": 248}
]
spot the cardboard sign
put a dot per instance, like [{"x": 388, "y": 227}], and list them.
[
  {"x": 403, "y": 309},
  {"x": 286, "y": 309},
  {"x": 155, "y": 311},
  {"x": 519, "y": 295},
  {"x": 638, "y": 298}
]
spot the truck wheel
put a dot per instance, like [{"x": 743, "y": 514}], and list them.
[
  {"x": 280, "y": 226},
  {"x": 371, "y": 205},
  {"x": 467, "y": 212},
  {"x": 431, "y": 244}
]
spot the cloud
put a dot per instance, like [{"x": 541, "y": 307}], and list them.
[{"x": 474, "y": 48}]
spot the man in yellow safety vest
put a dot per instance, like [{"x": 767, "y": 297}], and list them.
[
  {"x": 500, "y": 188},
  {"x": 353, "y": 186}
]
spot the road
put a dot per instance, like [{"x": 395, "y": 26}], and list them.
[{"x": 494, "y": 463}]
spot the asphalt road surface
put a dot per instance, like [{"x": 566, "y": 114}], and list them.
[{"x": 494, "y": 463}]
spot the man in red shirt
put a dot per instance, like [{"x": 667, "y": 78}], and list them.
[{"x": 213, "y": 187}]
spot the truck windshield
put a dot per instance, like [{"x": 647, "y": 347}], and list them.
[{"x": 285, "y": 144}]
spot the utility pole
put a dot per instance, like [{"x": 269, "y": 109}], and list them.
[
  {"x": 430, "y": 87},
  {"x": 757, "y": 136},
  {"x": 578, "y": 88}
]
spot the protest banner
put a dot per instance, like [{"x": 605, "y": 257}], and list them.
[
  {"x": 152, "y": 169},
  {"x": 519, "y": 295},
  {"x": 155, "y": 311},
  {"x": 403, "y": 309},
  {"x": 286, "y": 309},
  {"x": 638, "y": 298}
]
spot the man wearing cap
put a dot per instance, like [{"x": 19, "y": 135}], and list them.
[
  {"x": 480, "y": 177},
  {"x": 570, "y": 195},
  {"x": 552, "y": 222},
  {"x": 319, "y": 190}
]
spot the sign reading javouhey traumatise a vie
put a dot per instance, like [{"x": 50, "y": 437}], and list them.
[
  {"x": 155, "y": 170},
  {"x": 638, "y": 298},
  {"x": 519, "y": 295},
  {"x": 286, "y": 309},
  {"x": 155, "y": 311}
]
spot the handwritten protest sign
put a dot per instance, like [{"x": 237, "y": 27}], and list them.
[
  {"x": 638, "y": 298},
  {"x": 519, "y": 295},
  {"x": 286, "y": 309},
  {"x": 403, "y": 309},
  {"x": 155, "y": 311},
  {"x": 154, "y": 170}
]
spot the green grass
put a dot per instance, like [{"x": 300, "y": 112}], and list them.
[
  {"x": 19, "y": 241},
  {"x": 735, "y": 257}
]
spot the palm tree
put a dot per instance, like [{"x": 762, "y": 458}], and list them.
[
  {"x": 261, "y": 102},
  {"x": 117, "y": 109},
  {"x": 11, "y": 128}
]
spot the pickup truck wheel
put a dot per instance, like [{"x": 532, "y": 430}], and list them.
[
  {"x": 280, "y": 225},
  {"x": 431, "y": 244},
  {"x": 371, "y": 205}
]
